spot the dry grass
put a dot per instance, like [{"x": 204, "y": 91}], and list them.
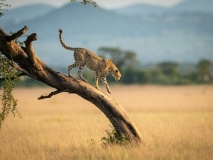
[{"x": 175, "y": 123}]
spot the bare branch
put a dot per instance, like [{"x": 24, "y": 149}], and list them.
[
  {"x": 17, "y": 34},
  {"x": 50, "y": 95}
]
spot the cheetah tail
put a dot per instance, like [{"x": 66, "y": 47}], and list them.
[{"x": 62, "y": 43}]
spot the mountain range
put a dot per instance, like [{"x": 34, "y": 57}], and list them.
[
  {"x": 182, "y": 33},
  {"x": 186, "y": 6},
  {"x": 15, "y": 16}
]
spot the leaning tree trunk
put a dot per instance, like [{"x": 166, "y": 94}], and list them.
[{"x": 29, "y": 64}]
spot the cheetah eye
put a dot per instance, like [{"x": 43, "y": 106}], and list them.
[{"x": 116, "y": 71}]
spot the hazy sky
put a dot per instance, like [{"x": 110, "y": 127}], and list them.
[{"x": 102, "y": 3}]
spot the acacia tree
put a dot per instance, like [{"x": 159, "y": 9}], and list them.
[
  {"x": 23, "y": 61},
  {"x": 204, "y": 69}
]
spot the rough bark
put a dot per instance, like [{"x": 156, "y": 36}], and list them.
[{"x": 40, "y": 71}]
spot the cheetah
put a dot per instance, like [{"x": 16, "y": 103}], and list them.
[{"x": 84, "y": 57}]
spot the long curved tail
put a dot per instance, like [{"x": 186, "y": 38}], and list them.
[{"x": 61, "y": 41}]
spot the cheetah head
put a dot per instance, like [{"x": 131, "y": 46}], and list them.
[
  {"x": 111, "y": 68},
  {"x": 116, "y": 73}
]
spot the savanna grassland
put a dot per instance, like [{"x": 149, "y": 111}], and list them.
[{"x": 176, "y": 123}]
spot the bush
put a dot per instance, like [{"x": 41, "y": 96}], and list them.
[{"x": 114, "y": 138}]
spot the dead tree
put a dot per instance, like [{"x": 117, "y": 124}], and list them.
[{"x": 29, "y": 64}]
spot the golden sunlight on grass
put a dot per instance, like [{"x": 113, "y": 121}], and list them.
[{"x": 175, "y": 123}]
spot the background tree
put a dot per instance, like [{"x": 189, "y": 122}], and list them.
[
  {"x": 144, "y": 76},
  {"x": 165, "y": 73},
  {"x": 204, "y": 70},
  {"x": 168, "y": 68}
]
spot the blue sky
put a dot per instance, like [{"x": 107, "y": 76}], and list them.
[{"x": 102, "y": 3}]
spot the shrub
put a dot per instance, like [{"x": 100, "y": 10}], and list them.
[{"x": 114, "y": 138}]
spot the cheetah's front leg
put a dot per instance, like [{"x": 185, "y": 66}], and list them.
[
  {"x": 106, "y": 84},
  {"x": 96, "y": 81}
]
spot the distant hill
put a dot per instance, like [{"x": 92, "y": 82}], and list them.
[
  {"x": 14, "y": 16},
  {"x": 139, "y": 9},
  {"x": 177, "y": 36},
  {"x": 194, "y": 6},
  {"x": 186, "y": 6}
]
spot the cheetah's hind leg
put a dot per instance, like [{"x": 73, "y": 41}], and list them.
[
  {"x": 70, "y": 68},
  {"x": 80, "y": 73}
]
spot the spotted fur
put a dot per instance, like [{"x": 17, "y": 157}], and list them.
[{"x": 102, "y": 67}]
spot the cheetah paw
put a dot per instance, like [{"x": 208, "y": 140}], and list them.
[
  {"x": 97, "y": 88},
  {"x": 109, "y": 91}
]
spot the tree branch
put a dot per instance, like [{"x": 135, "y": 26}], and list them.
[
  {"x": 50, "y": 95},
  {"x": 17, "y": 34}
]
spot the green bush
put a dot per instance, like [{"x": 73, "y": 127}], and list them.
[{"x": 114, "y": 138}]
